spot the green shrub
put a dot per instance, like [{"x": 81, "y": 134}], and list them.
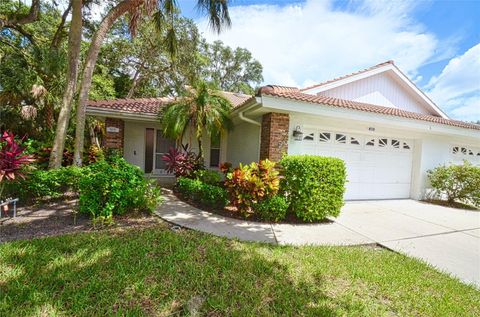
[
  {"x": 209, "y": 195},
  {"x": 314, "y": 185},
  {"x": 249, "y": 184},
  {"x": 47, "y": 183},
  {"x": 115, "y": 187},
  {"x": 459, "y": 183},
  {"x": 208, "y": 176},
  {"x": 273, "y": 208}
]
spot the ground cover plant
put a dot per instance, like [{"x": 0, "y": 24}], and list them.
[{"x": 160, "y": 272}]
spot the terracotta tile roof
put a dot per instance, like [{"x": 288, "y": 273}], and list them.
[
  {"x": 297, "y": 94},
  {"x": 135, "y": 105},
  {"x": 349, "y": 75},
  {"x": 153, "y": 105}
]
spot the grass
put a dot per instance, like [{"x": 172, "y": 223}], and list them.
[{"x": 158, "y": 272}]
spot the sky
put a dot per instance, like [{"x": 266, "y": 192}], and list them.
[{"x": 300, "y": 43}]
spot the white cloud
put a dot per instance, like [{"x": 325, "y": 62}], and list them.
[
  {"x": 457, "y": 88},
  {"x": 300, "y": 44}
]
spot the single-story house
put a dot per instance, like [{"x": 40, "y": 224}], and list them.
[{"x": 388, "y": 132}]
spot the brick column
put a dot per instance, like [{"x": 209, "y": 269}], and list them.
[
  {"x": 274, "y": 137},
  {"x": 114, "y": 138}
]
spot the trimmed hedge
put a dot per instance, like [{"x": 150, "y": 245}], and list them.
[
  {"x": 210, "y": 195},
  {"x": 314, "y": 185}
]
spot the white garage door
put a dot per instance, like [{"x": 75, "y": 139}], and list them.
[{"x": 377, "y": 167}]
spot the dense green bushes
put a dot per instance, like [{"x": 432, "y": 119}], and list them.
[
  {"x": 113, "y": 187},
  {"x": 47, "y": 183},
  {"x": 108, "y": 187},
  {"x": 208, "y": 176},
  {"x": 272, "y": 208},
  {"x": 209, "y": 195},
  {"x": 310, "y": 187},
  {"x": 314, "y": 185},
  {"x": 457, "y": 183}
]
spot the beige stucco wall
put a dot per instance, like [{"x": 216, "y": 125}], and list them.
[{"x": 243, "y": 144}]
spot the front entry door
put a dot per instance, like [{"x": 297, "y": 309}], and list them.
[{"x": 162, "y": 145}]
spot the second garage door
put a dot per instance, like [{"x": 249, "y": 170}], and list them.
[{"x": 377, "y": 167}]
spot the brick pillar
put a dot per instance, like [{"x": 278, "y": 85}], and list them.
[
  {"x": 114, "y": 133},
  {"x": 274, "y": 137}
]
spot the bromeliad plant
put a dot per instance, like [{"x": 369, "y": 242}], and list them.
[
  {"x": 250, "y": 184},
  {"x": 182, "y": 162},
  {"x": 12, "y": 159}
]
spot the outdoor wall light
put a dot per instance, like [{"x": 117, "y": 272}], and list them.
[
  {"x": 297, "y": 134},
  {"x": 371, "y": 129}
]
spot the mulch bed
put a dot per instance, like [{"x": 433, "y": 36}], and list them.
[
  {"x": 232, "y": 212},
  {"x": 452, "y": 205},
  {"x": 60, "y": 217}
]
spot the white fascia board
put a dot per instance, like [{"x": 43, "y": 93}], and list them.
[
  {"x": 121, "y": 114},
  {"x": 286, "y": 105}
]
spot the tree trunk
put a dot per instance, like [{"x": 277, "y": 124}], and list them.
[
  {"x": 136, "y": 80},
  {"x": 31, "y": 17},
  {"x": 90, "y": 62},
  {"x": 74, "y": 41}
]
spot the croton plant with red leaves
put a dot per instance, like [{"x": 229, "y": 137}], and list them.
[{"x": 12, "y": 158}]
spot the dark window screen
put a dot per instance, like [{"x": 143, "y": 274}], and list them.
[{"x": 149, "y": 142}]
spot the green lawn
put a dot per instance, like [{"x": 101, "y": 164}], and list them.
[{"x": 157, "y": 272}]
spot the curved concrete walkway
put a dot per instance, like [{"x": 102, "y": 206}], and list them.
[
  {"x": 446, "y": 238},
  {"x": 180, "y": 213}
]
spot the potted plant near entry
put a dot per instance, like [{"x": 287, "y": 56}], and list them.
[{"x": 12, "y": 161}]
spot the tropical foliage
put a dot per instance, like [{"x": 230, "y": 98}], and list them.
[
  {"x": 250, "y": 184},
  {"x": 182, "y": 162},
  {"x": 12, "y": 160},
  {"x": 203, "y": 108},
  {"x": 166, "y": 54}
]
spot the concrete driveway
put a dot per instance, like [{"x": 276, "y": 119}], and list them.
[{"x": 446, "y": 238}]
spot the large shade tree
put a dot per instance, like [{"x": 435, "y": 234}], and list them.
[
  {"x": 164, "y": 12},
  {"x": 201, "y": 108},
  {"x": 32, "y": 67}
]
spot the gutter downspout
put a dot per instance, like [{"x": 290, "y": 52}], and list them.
[{"x": 241, "y": 116}]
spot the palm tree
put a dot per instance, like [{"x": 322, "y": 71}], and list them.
[
  {"x": 74, "y": 43},
  {"x": 203, "y": 108},
  {"x": 217, "y": 11}
]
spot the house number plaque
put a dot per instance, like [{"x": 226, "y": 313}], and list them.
[{"x": 113, "y": 129}]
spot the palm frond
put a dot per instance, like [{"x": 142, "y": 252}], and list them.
[{"x": 218, "y": 15}]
